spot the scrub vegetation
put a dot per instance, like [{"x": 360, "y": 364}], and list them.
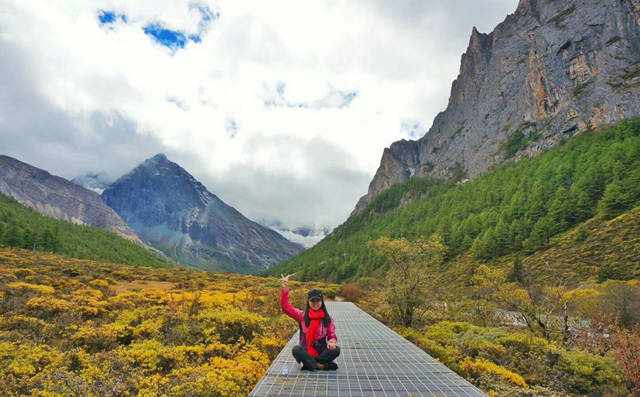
[
  {"x": 504, "y": 329},
  {"x": 79, "y": 327}
]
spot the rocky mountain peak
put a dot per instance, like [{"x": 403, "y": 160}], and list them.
[
  {"x": 160, "y": 157},
  {"x": 552, "y": 69},
  {"x": 528, "y": 7},
  {"x": 176, "y": 213}
]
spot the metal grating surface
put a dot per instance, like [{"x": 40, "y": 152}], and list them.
[{"x": 373, "y": 361}]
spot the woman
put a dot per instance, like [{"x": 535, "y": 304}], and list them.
[{"x": 318, "y": 343}]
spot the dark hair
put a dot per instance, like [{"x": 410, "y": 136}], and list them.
[{"x": 325, "y": 320}]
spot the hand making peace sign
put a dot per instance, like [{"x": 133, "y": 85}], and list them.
[{"x": 285, "y": 280}]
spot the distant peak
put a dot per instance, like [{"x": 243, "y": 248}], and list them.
[
  {"x": 480, "y": 46},
  {"x": 524, "y": 6},
  {"x": 159, "y": 157},
  {"x": 159, "y": 161}
]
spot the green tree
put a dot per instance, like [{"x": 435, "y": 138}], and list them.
[
  {"x": 51, "y": 240},
  {"x": 15, "y": 236},
  {"x": 413, "y": 274},
  {"x": 542, "y": 230},
  {"x": 616, "y": 200}
]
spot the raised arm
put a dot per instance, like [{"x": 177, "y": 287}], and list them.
[{"x": 286, "y": 306}]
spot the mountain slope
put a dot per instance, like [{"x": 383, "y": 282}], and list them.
[
  {"x": 550, "y": 70},
  {"x": 23, "y": 227},
  {"x": 170, "y": 209},
  {"x": 515, "y": 210},
  {"x": 58, "y": 198}
]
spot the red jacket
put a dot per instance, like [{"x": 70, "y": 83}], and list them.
[{"x": 328, "y": 332}]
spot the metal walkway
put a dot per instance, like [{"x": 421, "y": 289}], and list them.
[{"x": 374, "y": 361}]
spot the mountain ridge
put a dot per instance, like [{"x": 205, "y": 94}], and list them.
[
  {"x": 549, "y": 71},
  {"x": 176, "y": 213},
  {"x": 58, "y": 197}
]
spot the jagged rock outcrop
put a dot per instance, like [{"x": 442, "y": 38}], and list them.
[
  {"x": 175, "y": 213},
  {"x": 552, "y": 69},
  {"x": 58, "y": 198}
]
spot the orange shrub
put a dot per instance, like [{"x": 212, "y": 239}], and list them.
[{"x": 350, "y": 292}]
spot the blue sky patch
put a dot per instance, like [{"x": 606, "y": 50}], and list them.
[
  {"x": 107, "y": 17},
  {"x": 172, "y": 39},
  {"x": 160, "y": 33},
  {"x": 176, "y": 39}
]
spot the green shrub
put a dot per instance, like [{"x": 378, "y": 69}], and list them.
[{"x": 497, "y": 359}]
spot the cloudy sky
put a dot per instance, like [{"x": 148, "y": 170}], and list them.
[{"x": 281, "y": 108}]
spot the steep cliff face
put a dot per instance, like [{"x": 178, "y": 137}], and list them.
[
  {"x": 58, "y": 198},
  {"x": 552, "y": 69},
  {"x": 175, "y": 213}
]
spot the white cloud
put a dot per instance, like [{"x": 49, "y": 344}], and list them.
[{"x": 84, "y": 86}]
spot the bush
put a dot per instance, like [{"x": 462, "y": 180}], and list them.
[
  {"x": 627, "y": 352},
  {"x": 231, "y": 324},
  {"x": 585, "y": 373},
  {"x": 497, "y": 359},
  {"x": 350, "y": 292},
  {"x": 27, "y": 287},
  {"x": 481, "y": 367}
]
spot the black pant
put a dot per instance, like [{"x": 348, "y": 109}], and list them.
[{"x": 326, "y": 356}]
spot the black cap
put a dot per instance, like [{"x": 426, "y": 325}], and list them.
[{"x": 314, "y": 293}]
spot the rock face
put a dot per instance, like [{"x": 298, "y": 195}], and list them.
[
  {"x": 552, "y": 69},
  {"x": 58, "y": 198},
  {"x": 175, "y": 213}
]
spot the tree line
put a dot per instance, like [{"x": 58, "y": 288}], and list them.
[
  {"x": 22, "y": 227},
  {"x": 518, "y": 207}
]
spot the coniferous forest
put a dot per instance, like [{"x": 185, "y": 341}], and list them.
[
  {"x": 515, "y": 209},
  {"x": 22, "y": 227}
]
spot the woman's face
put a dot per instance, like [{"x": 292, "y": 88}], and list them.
[{"x": 315, "y": 303}]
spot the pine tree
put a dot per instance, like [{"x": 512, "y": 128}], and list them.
[{"x": 615, "y": 200}]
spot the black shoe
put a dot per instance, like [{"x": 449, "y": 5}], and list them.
[
  {"x": 330, "y": 366},
  {"x": 305, "y": 368}
]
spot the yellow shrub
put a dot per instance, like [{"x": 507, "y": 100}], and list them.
[
  {"x": 95, "y": 337},
  {"x": 27, "y": 287},
  {"x": 25, "y": 360},
  {"x": 483, "y": 366},
  {"x": 231, "y": 324},
  {"x": 48, "y": 304},
  {"x": 272, "y": 346},
  {"x": 146, "y": 354},
  {"x": 216, "y": 298},
  {"x": 221, "y": 376},
  {"x": 99, "y": 283},
  {"x": 20, "y": 322}
]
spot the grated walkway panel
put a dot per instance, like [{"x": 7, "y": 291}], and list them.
[{"x": 373, "y": 361}]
